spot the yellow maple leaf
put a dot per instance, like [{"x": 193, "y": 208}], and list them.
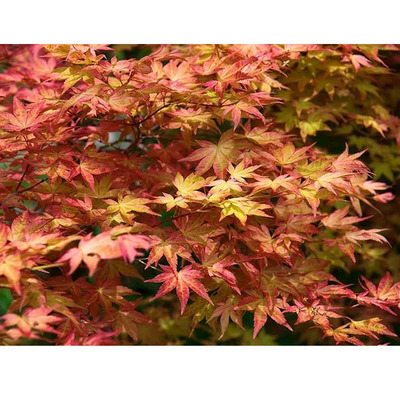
[{"x": 122, "y": 209}]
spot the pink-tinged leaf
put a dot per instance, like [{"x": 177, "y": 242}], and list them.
[
  {"x": 130, "y": 244},
  {"x": 362, "y": 235},
  {"x": 359, "y": 60},
  {"x": 4, "y": 233},
  {"x": 22, "y": 117},
  {"x": 218, "y": 156},
  {"x": 91, "y": 250},
  {"x": 187, "y": 278},
  {"x": 236, "y": 113},
  {"x": 260, "y": 318}
]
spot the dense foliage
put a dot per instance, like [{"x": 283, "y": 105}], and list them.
[{"x": 199, "y": 194}]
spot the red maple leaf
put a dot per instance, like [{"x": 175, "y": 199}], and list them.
[
  {"x": 187, "y": 278},
  {"x": 23, "y": 117}
]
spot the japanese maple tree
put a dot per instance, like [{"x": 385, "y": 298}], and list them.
[{"x": 175, "y": 194}]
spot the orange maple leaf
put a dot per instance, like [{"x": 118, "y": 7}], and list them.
[
  {"x": 23, "y": 117},
  {"x": 187, "y": 278},
  {"x": 218, "y": 156}
]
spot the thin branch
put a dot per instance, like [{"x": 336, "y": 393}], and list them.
[
  {"x": 150, "y": 115},
  {"x": 22, "y": 178},
  {"x": 31, "y": 187},
  {"x": 13, "y": 194},
  {"x": 9, "y": 197}
]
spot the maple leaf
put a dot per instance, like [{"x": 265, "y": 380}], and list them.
[
  {"x": 71, "y": 75},
  {"x": 370, "y": 327},
  {"x": 188, "y": 187},
  {"x": 172, "y": 202},
  {"x": 285, "y": 181},
  {"x": 183, "y": 280},
  {"x": 241, "y": 208},
  {"x": 316, "y": 312},
  {"x": 386, "y": 289},
  {"x": 106, "y": 294},
  {"x": 314, "y": 169},
  {"x": 129, "y": 245},
  {"x": 86, "y": 204},
  {"x": 262, "y": 136},
  {"x": 123, "y": 210},
  {"x": 349, "y": 163},
  {"x": 11, "y": 266},
  {"x": 91, "y": 166},
  {"x": 127, "y": 321},
  {"x": 338, "y": 220},
  {"x": 97, "y": 339},
  {"x": 368, "y": 121},
  {"x": 313, "y": 125},
  {"x": 263, "y": 307},
  {"x": 91, "y": 250},
  {"x": 120, "y": 101},
  {"x": 216, "y": 264},
  {"x": 332, "y": 181},
  {"x": 221, "y": 189},
  {"x": 385, "y": 295},
  {"x": 358, "y": 60},
  {"x": 311, "y": 194},
  {"x": 236, "y": 112},
  {"x": 57, "y": 162},
  {"x": 23, "y": 118},
  {"x": 240, "y": 173},
  {"x": 218, "y": 156},
  {"x": 342, "y": 334},
  {"x": 102, "y": 247},
  {"x": 32, "y": 320},
  {"x": 190, "y": 120},
  {"x": 227, "y": 310},
  {"x": 170, "y": 247},
  {"x": 4, "y": 233},
  {"x": 325, "y": 290},
  {"x": 289, "y": 155},
  {"x": 180, "y": 75},
  {"x": 36, "y": 241},
  {"x": 362, "y": 234},
  {"x": 196, "y": 230}
]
